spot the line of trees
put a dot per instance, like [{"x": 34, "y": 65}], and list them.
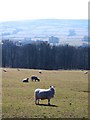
[{"x": 44, "y": 56}]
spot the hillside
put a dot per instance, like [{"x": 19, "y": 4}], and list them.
[{"x": 70, "y": 32}]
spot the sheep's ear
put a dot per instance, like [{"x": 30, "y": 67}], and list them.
[{"x": 50, "y": 86}]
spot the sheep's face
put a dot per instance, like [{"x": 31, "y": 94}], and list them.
[{"x": 52, "y": 88}]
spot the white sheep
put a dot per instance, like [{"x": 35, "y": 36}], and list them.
[{"x": 44, "y": 94}]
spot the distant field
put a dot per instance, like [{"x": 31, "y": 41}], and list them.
[{"x": 70, "y": 101}]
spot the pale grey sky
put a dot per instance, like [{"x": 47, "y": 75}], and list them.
[{"x": 40, "y": 9}]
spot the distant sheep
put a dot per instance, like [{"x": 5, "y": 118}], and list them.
[
  {"x": 40, "y": 71},
  {"x": 5, "y": 70},
  {"x": 34, "y": 78},
  {"x": 18, "y": 69},
  {"x": 44, "y": 94},
  {"x": 86, "y": 72},
  {"x": 25, "y": 80}
]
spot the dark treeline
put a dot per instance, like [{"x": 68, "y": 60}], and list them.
[{"x": 44, "y": 56}]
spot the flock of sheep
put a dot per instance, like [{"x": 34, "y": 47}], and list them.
[
  {"x": 41, "y": 93},
  {"x": 33, "y": 78}
]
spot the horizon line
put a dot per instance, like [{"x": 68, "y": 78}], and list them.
[{"x": 43, "y": 19}]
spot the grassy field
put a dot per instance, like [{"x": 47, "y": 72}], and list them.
[{"x": 70, "y": 101}]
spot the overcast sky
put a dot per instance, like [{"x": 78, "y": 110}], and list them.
[{"x": 43, "y": 9}]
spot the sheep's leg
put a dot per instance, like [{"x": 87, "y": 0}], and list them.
[
  {"x": 35, "y": 98},
  {"x": 35, "y": 101},
  {"x": 48, "y": 101},
  {"x": 38, "y": 101}
]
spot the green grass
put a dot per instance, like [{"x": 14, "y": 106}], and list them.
[{"x": 70, "y": 101}]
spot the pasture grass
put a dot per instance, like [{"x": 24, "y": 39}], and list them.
[{"x": 70, "y": 101}]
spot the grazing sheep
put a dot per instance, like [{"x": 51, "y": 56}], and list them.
[
  {"x": 40, "y": 71},
  {"x": 25, "y": 80},
  {"x": 33, "y": 77},
  {"x": 5, "y": 70},
  {"x": 18, "y": 69},
  {"x": 86, "y": 72},
  {"x": 44, "y": 94}
]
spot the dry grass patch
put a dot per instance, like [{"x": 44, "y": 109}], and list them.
[{"x": 70, "y": 99}]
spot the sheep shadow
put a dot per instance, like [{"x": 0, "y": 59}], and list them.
[{"x": 47, "y": 105}]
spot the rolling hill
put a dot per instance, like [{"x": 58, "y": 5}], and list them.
[{"x": 72, "y": 32}]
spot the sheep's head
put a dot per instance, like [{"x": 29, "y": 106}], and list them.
[{"x": 52, "y": 88}]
